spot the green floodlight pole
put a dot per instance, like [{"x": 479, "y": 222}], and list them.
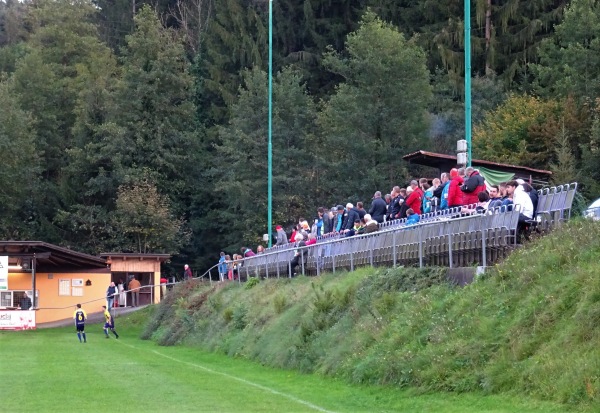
[
  {"x": 270, "y": 146},
  {"x": 468, "y": 78}
]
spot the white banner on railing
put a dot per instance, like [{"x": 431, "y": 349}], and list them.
[
  {"x": 3, "y": 272},
  {"x": 17, "y": 320}
]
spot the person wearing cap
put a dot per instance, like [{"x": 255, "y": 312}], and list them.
[
  {"x": 378, "y": 207},
  {"x": 281, "y": 236}
]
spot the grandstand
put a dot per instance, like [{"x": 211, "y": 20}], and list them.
[{"x": 445, "y": 238}]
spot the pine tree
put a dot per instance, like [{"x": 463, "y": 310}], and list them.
[
  {"x": 241, "y": 173},
  {"x": 378, "y": 114},
  {"x": 570, "y": 60}
]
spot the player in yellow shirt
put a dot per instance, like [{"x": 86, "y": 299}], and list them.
[
  {"x": 110, "y": 323},
  {"x": 80, "y": 316}
]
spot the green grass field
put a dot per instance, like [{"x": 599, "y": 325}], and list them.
[{"x": 50, "y": 371}]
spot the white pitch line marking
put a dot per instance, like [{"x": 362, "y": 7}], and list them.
[{"x": 249, "y": 383}]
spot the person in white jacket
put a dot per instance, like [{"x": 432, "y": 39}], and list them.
[{"x": 521, "y": 198}]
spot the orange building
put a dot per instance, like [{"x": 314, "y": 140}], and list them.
[{"x": 62, "y": 278}]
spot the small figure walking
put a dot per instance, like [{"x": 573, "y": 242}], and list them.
[
  {"x": 80, "y": 316},
  {"x": 187, "y": 273},
  {"x": 110, "y": 323}
]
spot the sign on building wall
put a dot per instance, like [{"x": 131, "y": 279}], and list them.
[
  {"x": 17, "y": 320},
  {"x": 3, "y": 272}
]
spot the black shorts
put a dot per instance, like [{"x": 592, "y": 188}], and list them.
[{"x": 80, "y": 326}]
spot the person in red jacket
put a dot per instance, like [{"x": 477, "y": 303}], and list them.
[
  {"x": 474, "y": 184},
  {"x": 455, "y": 195},
  {"x": 415, "y": 198}
]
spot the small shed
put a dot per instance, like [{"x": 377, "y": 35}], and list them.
[{"x": 144, "y": 267}]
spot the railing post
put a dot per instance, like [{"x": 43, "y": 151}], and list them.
[
  {"x": 317, "y": 263},
  {"x": 209, "y": 277},
  {"x": 394, "y": 247},
  {"x": 483, "y": 247},
  {"x": 333, "y": 262},
  {"x": 302, "y": 260},
  {"x": 371, "y": 256},
  {"x": 420, "y": 246},
  {"x": 267, "y": 269},
  {"x": 351, "y": 261},
  {"x": 449, "y": 249},
  {"x": 289, "y": 269},
  {"x": 277, "y": 261}
]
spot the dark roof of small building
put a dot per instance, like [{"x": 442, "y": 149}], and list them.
[
  {"x": 446, "y": 162},
  {"x": 133, "y": 255},
  {"x": 50, "y": 257}
]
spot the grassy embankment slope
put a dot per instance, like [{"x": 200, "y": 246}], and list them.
[{"x": 530, "y": 327}]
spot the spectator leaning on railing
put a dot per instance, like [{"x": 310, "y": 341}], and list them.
[
  {"x": 281, "y": 236},
  {"x": 378, "y": 208}
]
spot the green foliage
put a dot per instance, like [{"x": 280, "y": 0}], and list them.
[
  {"x": 279, "y": 303},
  {"x": 240, "y": 172},
  {"x": 239, "y": 317},
  {"x": 367, "y": 124},
  {"x": 524, "y": 129},
  {"x": 228, "y": 315},
  {"x": 570, "y": 60},
  {"x": 19, "y": 174},
  {"x": 144, "y": 221},
  {"x": 252, "y": 282},
  {"x": 407, "y": 327}
]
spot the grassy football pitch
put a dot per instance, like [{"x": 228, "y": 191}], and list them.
[{"x": 48, "y": 370}]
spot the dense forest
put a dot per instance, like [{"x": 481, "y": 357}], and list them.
[{"x": 142, "y": 126}]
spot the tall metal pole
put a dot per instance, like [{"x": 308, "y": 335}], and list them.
[
  {"x": 468, "y": 78},
  {"x": 270, "y": 156}
]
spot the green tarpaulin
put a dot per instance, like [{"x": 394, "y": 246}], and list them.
[{"x": 494, "y": 177}]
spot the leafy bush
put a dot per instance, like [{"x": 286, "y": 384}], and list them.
[
  {"x": 279, "y": 303},
  {"x": 252, "y": 281}
]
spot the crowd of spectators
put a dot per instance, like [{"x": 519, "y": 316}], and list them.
[{"x": 463, "y": 189}]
